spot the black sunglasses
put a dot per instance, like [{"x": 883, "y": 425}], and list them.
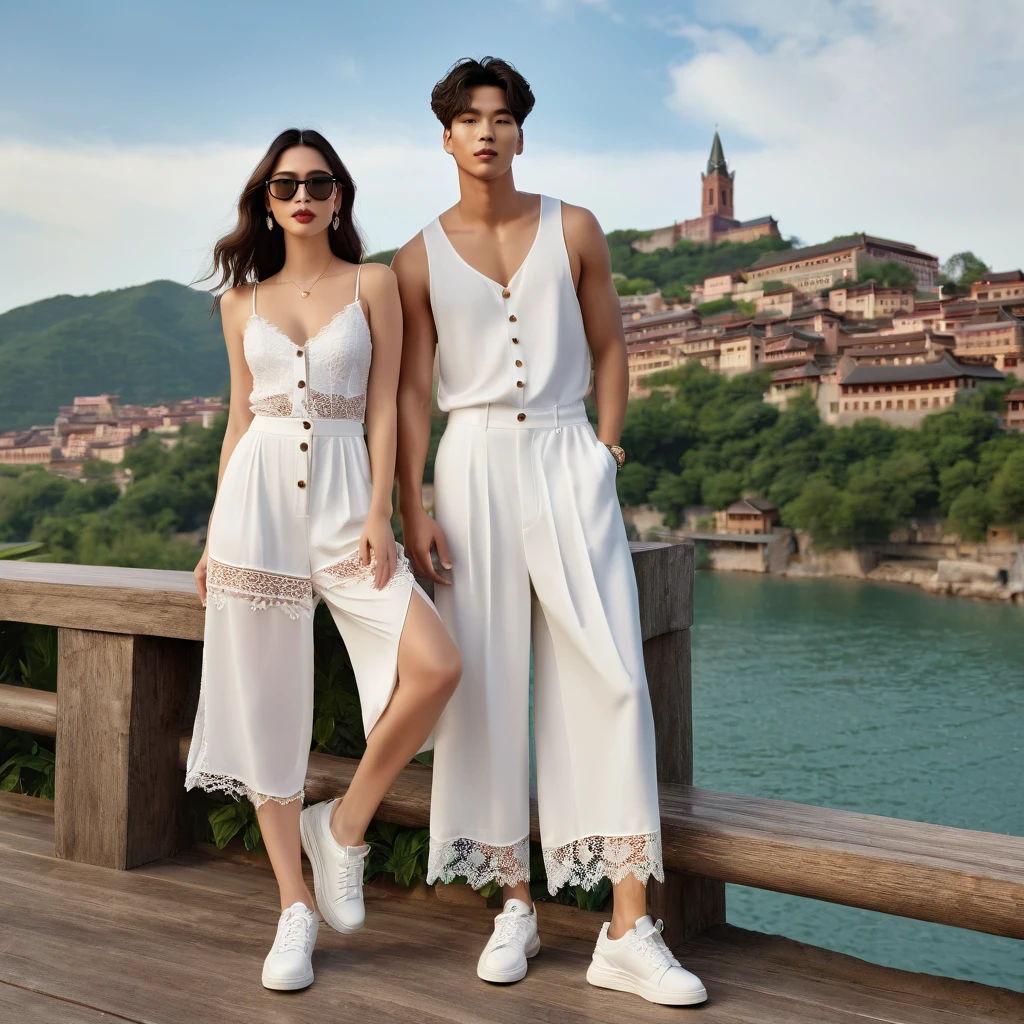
[{"x": 321, "y": 187}]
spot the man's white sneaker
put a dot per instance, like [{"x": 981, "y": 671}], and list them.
[
  {"x": 515, "y": 938},
  {"x": 288, "y": 965},
  {"x": 337, "y": 869},
  {"x": 640, "y": 962}
]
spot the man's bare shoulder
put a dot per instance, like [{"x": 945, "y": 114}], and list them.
[
  {"x": 580, "y": 222},
  {"x": 411, "y": 259}
]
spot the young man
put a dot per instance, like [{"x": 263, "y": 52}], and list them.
[{"x": 515, "y": 292}]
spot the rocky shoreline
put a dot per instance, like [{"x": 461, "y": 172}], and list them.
[{"x": 949, "y": 577}]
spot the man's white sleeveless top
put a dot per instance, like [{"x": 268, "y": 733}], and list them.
[{"x": 523, "y": 345}]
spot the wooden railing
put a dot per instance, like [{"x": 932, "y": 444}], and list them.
[{"x": 128, "y": 664}]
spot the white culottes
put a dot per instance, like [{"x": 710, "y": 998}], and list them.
[
  {"x": 285, "y": 533},
  {"x": 527, "y": 502}
]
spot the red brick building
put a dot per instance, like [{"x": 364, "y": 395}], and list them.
[
  {"x": 1014, "y": 418},
  {"x": 1002, "y": 286}
]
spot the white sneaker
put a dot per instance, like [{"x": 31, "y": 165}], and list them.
[
  {"x": 515, "y": 938},
  {"x": 640, "y": 962},
  {"x": 337, "y": 870},
  {"x": 288, "y": 965}
]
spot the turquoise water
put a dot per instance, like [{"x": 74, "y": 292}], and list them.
[{"x": 870, "y": 697}]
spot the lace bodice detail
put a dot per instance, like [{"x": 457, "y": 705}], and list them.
[{"x": 325, "y": 378}]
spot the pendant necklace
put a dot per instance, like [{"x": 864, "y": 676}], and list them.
[{"x": 305, "y": 292}]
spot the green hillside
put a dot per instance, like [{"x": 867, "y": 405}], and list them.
[
  {"x": 148, "y": 343},
  {"x": 675, "y": 271}
]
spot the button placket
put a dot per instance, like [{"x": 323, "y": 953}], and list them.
[
  {"x": 301, "y": 376},
  {"x": 303, "y": 464},
  {"x": 517, "y": 359}
]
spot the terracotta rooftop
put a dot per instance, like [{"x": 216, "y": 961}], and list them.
[
  {"x": 667, "y": 317},
  {"x": 941, "y": 369},
  {"x": 809, "y": 369},
  {"x": 859, "y": 241},
  {"x": 749, "y": 505},
  {"x": 1003, "y": 277}
]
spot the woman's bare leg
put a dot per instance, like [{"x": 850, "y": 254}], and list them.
[
  {"x": 630, "y": 904},
  {"x": 279, "y": 824},
  {"x": 429, "y": 669}
]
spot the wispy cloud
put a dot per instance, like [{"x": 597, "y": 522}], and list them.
[
  {"x": 131, "y": 214},
  {"x": 898, "y": 117}
]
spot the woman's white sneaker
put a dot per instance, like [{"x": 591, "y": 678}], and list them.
[
  {"x": 288, "y": 965},
  {"x": 640, "y": 962},
  {"x": 513, "y": 940},
  {"x": 337, "y": 869}
]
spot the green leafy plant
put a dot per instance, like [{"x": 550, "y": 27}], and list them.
[
  {"x": 231, "y": 817},
  {"x": 29, "y": 772}
]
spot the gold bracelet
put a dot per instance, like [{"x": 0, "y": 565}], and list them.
[{"x": 618, "y": 453}]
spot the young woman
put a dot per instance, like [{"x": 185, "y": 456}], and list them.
[{"x": 303, "y": 513}]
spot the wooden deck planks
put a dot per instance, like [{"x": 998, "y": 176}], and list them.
[{"x": 183, "y": 940}]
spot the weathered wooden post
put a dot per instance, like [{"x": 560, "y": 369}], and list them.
[
  {"x": 664, "y": 576},
  {"x": 127, "y": 647},
  {"x": 118, "y": 793}
]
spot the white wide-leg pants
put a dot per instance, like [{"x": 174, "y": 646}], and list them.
[{"x": 527, "y": 502}]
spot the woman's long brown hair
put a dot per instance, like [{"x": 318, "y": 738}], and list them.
[{"x": 251, "y": 252}]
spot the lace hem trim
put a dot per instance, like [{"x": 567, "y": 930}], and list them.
[
  {"x": 236, "y": 788},
  {"x": 292, "y": 594},
  {"x": 348, "y": 572},
  {"x": 478, "y": 862},
  {"x": 586, "y": 861}
]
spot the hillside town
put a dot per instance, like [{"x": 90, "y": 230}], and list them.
[
  {"x": 100, "y": 427},
  {"x": 860, "y": 348}
]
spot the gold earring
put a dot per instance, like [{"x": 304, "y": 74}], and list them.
[{"x": 270, "y": 223}]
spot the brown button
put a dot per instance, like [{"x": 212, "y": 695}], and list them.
[
  {"x": 302, "y": 383},
  {"x": 298, "y": 352},
  {"x": 302, "y": 483},
  {"x": 306, "y": 425},
  {"x": 505, "y": 294},
  {"x": 303, "y": 447},
  {"x": 512, "y": 318},
  {"x": 520, "y": 384},
  {"x": 521, "y": 417},
  {"x": 519, "y": 362},
  {"x": 515, "y": 341}
]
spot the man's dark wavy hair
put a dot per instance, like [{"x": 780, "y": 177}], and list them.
[{"x": 450, "y": 97}]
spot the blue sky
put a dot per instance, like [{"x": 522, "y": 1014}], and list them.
[{"x": 126, "y": 129}]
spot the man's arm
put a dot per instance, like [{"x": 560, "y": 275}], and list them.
[
  {"x": 602, "y": 318},
  {"x": 415, "y": 395}
]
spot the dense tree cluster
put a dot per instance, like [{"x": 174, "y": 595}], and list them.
[
  {"x": 89, "y": 521},
  {"x": 707, "y": 440}
]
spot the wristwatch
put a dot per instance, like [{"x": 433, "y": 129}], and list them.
[{"x": 619, "y": 453}]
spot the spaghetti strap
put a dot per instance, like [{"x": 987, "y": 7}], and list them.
[
  {"x": 359, "y": 270},
  {"x": 254, "y": 285}
]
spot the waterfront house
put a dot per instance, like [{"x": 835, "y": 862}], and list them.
[{"x": 748, "y": 516}]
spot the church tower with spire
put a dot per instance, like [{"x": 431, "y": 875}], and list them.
[
  {"x": 717, "y": 185},
  {"x": 717, "y": 221}
]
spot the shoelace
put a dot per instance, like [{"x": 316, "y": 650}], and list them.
[
  {"x": 652, "y": 947},
  {"x": 292, "y": 932},
  {"x": 507, "y": 928}
]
